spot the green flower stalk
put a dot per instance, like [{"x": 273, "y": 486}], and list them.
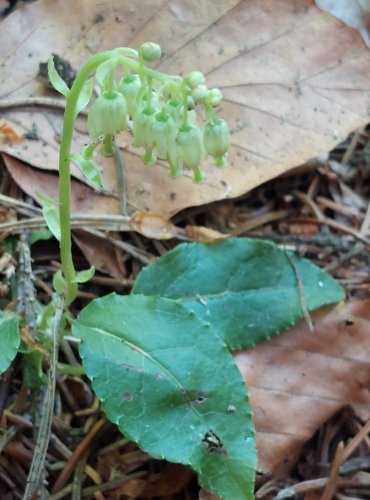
[{"x": 130, "y": 87}]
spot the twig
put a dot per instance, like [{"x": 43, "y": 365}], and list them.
[
  {"x": 79, "y": 452},
  {"x": 332, "y": 483},
  {"x": 258, "y": 221},
  {"x": 103, "y": 221},
  {"x": 139, "y": 254},
  {"x": 352, "y": 146},
  {"x": 26, "y": 290},
  {"x": 321, "y": 240},
  {"x": 121, "y": 181},
  {"x": 46, "y": 102},
  {"x": 340, "y": 227},
  {"x": 309, "y": 201},
  {"x": 20, "y": 206},
  {"x": 360, "y": 436},
  {"x": 357, "y": 249},
  {"x": 321, "y": 219},
  {"x": 366, "y": 222},
  {"x": 42, "y": 443}
]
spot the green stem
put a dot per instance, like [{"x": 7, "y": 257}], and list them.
[
  {"x": 65, "y": 173},
  {"x": 107, "y": 149}
]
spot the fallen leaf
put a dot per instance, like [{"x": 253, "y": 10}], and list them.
[
  {"x": 172, "y": 479},
  {"x": 153, "y": 226},
  {"x": 286, "y": 98},
  {"x": 204, "y": 234},
  {"x": 33, "y": 181},
  {"x": 100, "y": 253},
  {"x": 354, "y": 13},
  {"x": 9, "y": 135},
  {"x": 299, "y": 379}
]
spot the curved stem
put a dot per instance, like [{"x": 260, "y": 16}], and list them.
[{"x": 65, "y": 174}]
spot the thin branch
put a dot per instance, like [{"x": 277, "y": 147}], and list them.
[{"x": 37, "y": 466}]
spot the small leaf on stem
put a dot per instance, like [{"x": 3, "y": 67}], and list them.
[{"x": 55, "y": 79}]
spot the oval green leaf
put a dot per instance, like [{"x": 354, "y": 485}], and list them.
[
  {"x": 171, "y": 386},
  {"x": 247, "y": 289},
  {"x": 9, "y": 339}
]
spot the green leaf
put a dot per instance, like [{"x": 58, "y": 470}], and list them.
[
  {"x": 33, "y": 375},
  {"x": 84, "y": 276},
  {"x": 9, "y": 339},
  {"x": 104, "y": 70},
  {"x": 59, "y": 283},
  {"x": 85, "y": 96},
  {"x": 57, "y": 82},
  {"x": 246, "y": 288},
  {"x": 90, "y": 170},
  {"x": 40, "y": 235},
  {"x": 51, "y": 214},
  {"x": 171, "y": 385}
]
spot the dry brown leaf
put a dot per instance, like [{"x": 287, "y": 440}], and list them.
[
  {"x": 172, "y": 479},
  {"x": 355, "y": 13},
  {"x": 100, "y": 253},
  {"x": 301, "y": 378},
  {"x": 204, "y": 234},
  {"x": 8, "y": 135},
  {"x": 32, "y": 181},
  {"x": 295, "y": 84},
  {"x": 153, "y": 226}
]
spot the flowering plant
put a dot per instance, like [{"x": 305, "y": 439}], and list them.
[
  {"x": 159, "y": 110},
  {"x": 159, "y": 358}
]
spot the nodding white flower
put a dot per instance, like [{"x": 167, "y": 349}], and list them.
[
  {"x": 130, "y": 86},
  {"x": 143, "y": 127},
  {"x": 216, "y": 139},
  {"x": 190, "y": 149},
  {"x": 164, "y": 132},
  {"x": 108, "y": 115}
]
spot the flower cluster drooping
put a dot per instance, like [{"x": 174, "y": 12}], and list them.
[{"x": 158, "y": 110}]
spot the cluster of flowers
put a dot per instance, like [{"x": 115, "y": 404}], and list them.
[{"x": 159, "y": 111}]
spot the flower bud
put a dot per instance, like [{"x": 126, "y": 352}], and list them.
[
  {"x": 216, "y": 139},
  {"x": 150, "y": 51},
  {"x": 194, "y": 78},
  {"x": 108, "y": 115},
  {"x": 214, "y": 97},
  {"x": 200, "y": 93},
  {"x": 130, "y": 86}
]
